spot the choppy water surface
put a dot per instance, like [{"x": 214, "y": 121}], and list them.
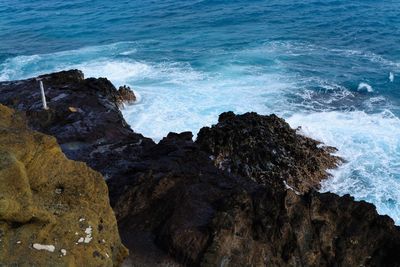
[{"x": 332, "y": 67}]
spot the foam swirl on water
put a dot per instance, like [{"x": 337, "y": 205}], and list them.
[{"x": 370, "y": 144}]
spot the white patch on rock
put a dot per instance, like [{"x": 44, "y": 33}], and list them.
[
  {"x": 88, "y": 237},
  {"x": 88, "y": 232},
  {"x": 291, "y": 188},
  {"x": 63, "y": 252},
  {"x": 49, "y": 248}
]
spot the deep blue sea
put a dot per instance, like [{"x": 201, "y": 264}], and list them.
[{"x": 331, "y": 66}]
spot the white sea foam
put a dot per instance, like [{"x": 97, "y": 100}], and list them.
[
  {"x": 391, "y": 77},
  {"x": 189, "y": 107},
  {"x": 21, "y": 67},
  {"x": 365, "y": 86},
  {"x": 371, "y": 145},
  {"x": 173, "y": 95}
]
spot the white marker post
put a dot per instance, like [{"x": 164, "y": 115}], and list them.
[{"x": 43, "y": 96}]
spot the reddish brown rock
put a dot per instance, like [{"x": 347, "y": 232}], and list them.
[{"x": 126, "y": 96}]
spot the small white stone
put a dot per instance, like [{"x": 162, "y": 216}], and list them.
[
  {"x": 80, "y": 240},
  {"x": 18, "y": 242},
  {"x": 49, "y": 248},
  {"x": 81, "y": 219},
  {"x": 63, "y": 252},
  {"x": 88, "y": 230}
]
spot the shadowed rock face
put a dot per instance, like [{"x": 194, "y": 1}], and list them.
[
  {"x": 53, "y": 211},
  {"x": 243, "y": 194},
  {"x": 203, "y": 216}
]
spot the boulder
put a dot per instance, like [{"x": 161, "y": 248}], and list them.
[
  {"x": 126, "y": 96},
  {"x": 266, "y": 150},
  {"x": 53, "y": 211}
]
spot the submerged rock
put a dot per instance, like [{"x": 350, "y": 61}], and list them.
[
  {"x": 53, "y": 211},
  {"x": 243, "y": 194}
]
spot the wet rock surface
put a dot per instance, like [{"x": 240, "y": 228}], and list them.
[
  {"x": 126, "y": 96},
  {"x": 53, "y": 211},
  {"x": 242, "y": 194}
]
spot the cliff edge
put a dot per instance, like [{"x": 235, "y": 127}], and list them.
[{"x": 53, "y": 211}]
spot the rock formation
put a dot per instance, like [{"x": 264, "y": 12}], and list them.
[
  {"x": 53, "y": 211},
  {"x": 83, "y": 115},
  {"x": 205, "y": 216},
  {"x": 126, "y": 95},
  {"x": 266, "y": 149},
  {"x": 243, "y": 194}
]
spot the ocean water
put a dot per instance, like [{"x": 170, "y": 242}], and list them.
[{"x": 330, "y": 66}]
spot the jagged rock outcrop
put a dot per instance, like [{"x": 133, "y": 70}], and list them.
[
  {"x": 126, "y": 96},
  {"x": 83, "y": 115},
  {"x": 203, "y": 216},
  {"x": 243, "y": 194},
  {"x": 266, "y": 150},
  {"x": 53, "y": 211}
]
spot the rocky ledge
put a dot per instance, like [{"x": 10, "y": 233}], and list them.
[
  {"x": 242, "y": 194},
  {"x": 53, "y": 211}
]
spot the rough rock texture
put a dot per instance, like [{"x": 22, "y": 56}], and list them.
[
  {"x": 126, "y": 96},
  {"x": 83, "y": 115},
  {"x": 241, "y": 195},
  {"x": 266, "y": 149},
  {"x": 53, "y": 211},
  {"x": 203, "y": 216}
]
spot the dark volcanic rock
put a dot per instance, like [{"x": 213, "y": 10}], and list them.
[
  {"x": 203, "y": 216},
  {"x": 243, "y": 194},
  {"x": 266, "y": 149},
  {"x": 83, "y": 115}
]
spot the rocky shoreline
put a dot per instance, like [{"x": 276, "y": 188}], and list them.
[{"x": 243, "y": 194}]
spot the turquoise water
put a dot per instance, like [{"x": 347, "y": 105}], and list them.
[{"x": 332, "y": 67}]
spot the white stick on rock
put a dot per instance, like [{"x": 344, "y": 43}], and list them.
[{"x": 43, "y": 96}]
